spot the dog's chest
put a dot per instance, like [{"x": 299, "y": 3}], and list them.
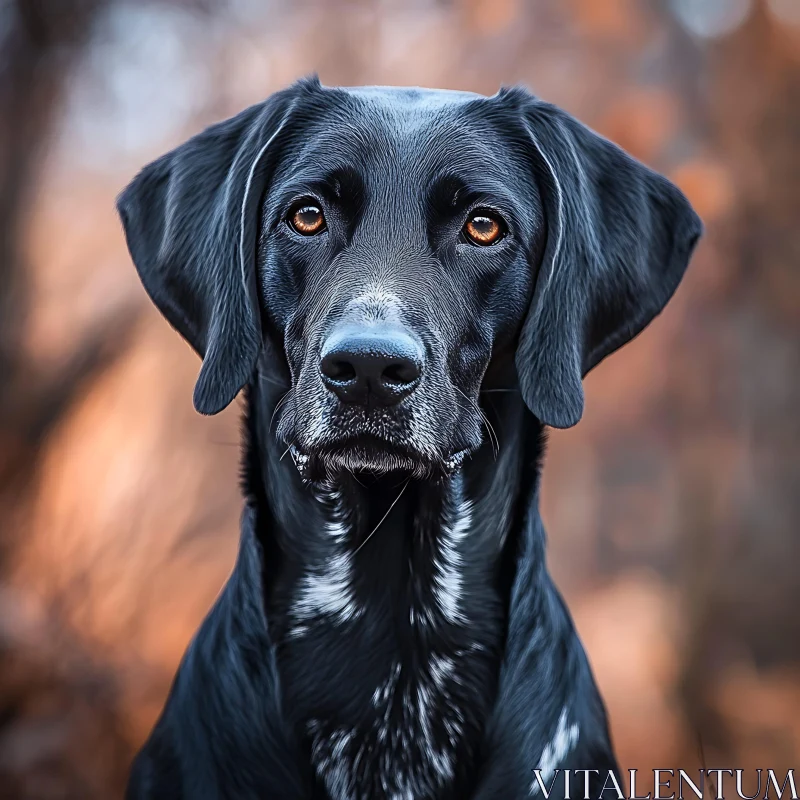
[
  {"x": 392, "y": 703},
  {"x": 407, "y": 741},
  {"x": 389, "y": 660}
]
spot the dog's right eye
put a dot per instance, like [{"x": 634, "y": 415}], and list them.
[
  {"x": 484, "y": 228},
  {"x": 307, "y": 219}
]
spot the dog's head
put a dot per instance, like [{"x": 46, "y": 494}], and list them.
[{"x": 393, "y": 243}]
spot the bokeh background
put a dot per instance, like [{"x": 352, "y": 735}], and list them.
[{"x": 673, "y": 509}]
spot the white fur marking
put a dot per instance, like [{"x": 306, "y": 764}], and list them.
[
  {"x": 379, "y": 301},
  {"x": 381, "y": 695},
  {"x": 555, "y": 751},
  {"x": 328, "y": 591},
  {"x": 441, "y": 669},
  {"x": 448, "y": 578},
  {"x": 411, "y": 763}
]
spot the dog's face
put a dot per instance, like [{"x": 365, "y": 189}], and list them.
[
  {"x": 392, "y": 243},
  {"x": 401, "y": 244}
]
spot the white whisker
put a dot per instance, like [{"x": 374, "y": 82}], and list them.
[
  {"x": 278, "y": 405},
  {"x": 495, "y": 441},
  {"x": 394, "y": 503}
]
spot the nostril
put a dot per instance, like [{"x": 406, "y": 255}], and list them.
[
  {"x": 401, "y": 373},
  {"x": 339, "y": 370}
]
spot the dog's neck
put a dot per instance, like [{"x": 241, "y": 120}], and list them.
[{"x": 387, "y": 600}]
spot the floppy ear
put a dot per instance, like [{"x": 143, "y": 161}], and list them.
[
  {"x": 619, "y": 238},
  {"x": 191, "y": 222}
]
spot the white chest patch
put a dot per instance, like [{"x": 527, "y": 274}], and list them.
[
  {"x": 555, "y": 751},
  {"x": 407, "y": 749},
  {"x": 328, "y": 590},
  {"x": 448, "y": 580}
]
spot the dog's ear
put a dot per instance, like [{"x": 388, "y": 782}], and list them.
[
  {"x": 619, "y": 239},
  {"x": 191, "y": 222}
]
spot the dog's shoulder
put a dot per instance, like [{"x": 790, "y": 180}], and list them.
[
  {"x": 222, "y": 733},
  {"x": 549, "y": 715}
]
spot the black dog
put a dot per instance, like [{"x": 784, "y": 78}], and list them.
[{"x": 388, "y": 272}]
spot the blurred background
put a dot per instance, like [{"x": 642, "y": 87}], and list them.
[{"x": 673, "y": 509}]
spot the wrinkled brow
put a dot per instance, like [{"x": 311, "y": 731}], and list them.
[
  {"x": 341, "y": 185},
  {"x": 451, "y": 193}
]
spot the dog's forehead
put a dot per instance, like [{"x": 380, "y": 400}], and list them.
[{"x": 421, "y": 131}]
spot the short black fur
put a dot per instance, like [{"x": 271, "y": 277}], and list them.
[{"x": 390, "y": 629}]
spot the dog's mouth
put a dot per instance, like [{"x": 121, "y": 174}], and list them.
[
  {"x": 370, "y": 454},
  {"x": 426, "y": 436}
]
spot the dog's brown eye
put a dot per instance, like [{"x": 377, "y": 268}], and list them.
[
  {"x": 307, "y": 219},
  {"x": 484, "y": 228}
]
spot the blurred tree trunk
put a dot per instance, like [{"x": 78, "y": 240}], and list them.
[{"x": 40, "y": 43}]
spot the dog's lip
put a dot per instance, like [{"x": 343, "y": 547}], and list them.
[
  {"x": 449, "y": 465},
  {"x": 365, "y": 441}
]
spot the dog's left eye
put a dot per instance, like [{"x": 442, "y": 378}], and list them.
[
  {"x": 484, "y": 228},
  {"x": 307, "y": 219}
]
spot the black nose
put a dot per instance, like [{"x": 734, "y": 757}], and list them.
[{"x": 376, "y": 364}]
